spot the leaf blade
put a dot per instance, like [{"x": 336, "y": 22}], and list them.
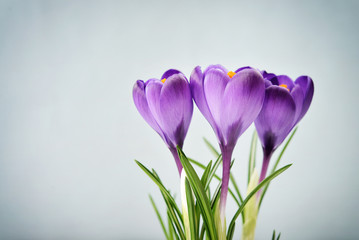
[
  {"x": 200, "y": 194},
  {"x": 211, "y": 147},
  {"x": 252, "y": 155},
  {"x": 256, "y": 189},
  {"x": 159, "y": 217}
]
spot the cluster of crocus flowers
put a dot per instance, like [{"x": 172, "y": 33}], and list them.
[{"x": 230, "y": 101}]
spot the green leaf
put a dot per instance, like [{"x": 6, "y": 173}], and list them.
[
  {"x": 191, "y": 210},
  {"x": 276, "y": 164},
  {"x": 278, "y": 236},
  {"x": 256, "y": 189},
  {"x": 206, "y": 172},
  {"x": 203, "y": 167},
  {"x": 171, "y": 226},
  {"x": 159, "y": 216},
  {"x": 200, "y": 194},
  {"x": 216, "y": 195},
  {"x": 240, "y": 200},
  {"x": 173, "y": 202},
  {"x": 214, "y": 170},
  {"x": 219, "y": 160},
  {"x": 160, "y": 185},
  {"x": 252, "y": 155},
  {"x": 170, "y": 202},
  {"x": 211, "y": 147},
  {"x": 219, "y": 179},
  {"x": 273, "y": 236},
  {"x": 231, "y": 232},
  {"x": 233, "y": 181}
]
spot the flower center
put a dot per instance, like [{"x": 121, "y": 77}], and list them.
[
  {"x": 284, "y": 86},
  {"x": 163, "y": 80},
  {"x": 231, "y": 74}
]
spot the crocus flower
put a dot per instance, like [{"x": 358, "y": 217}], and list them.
[
  {"x": 230, "y": 101},
  {"x": 167, "y": 107},
  {"x": 285, "y": 104}
]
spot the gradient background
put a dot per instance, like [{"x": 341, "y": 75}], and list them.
[{"x": 69, "y": 130}]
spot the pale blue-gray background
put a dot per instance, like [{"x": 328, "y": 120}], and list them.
[{"x": 69, "y": 130}]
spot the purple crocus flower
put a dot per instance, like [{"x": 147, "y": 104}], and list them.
[
  {"x": 285, "y": 104},
  {"x": 230, "y": 101},
  {"x": 167, "y": 107}
]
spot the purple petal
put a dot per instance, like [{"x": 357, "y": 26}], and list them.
[
  {"x": 139, "y": 97},
  {"x": 216, "y": 66},
  {"x": 153, "y": 91},
  {"x": 307, "y": 86},
  {"x": 270, "y": 76},
  {"x": 276, "y": 117},
  {"x": 197, "y": 89},
  {"x": 267, "y": 83},
  {"x": 273, "y": 80},
  {"x": 283, "y": 79},
  {"x": 176, "y": 108},
  {"x": 298, "y": 97},
  {"x": 242, "y": 102},
  {"x": 242, "y": 68},
  {"x": 215, "y": 82},
  {"x": 169, "y": 73}
]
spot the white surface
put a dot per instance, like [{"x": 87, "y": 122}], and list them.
[{"x": 69, "y": 130}]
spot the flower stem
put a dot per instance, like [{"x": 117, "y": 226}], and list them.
[
  {"x": 178, "y": 161},
  {"x": 226, "y": 160},
  {"x": 266, "y": 159}
]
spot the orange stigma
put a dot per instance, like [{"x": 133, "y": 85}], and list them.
[
  {"x": 284, "y": 86},
  {"x": 231, "y": 74},
  {"x": 163, "y": 80}
]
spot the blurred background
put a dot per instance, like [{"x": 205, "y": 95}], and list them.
[{"x": 69, "y": 131}]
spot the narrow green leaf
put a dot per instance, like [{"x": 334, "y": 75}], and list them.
[
  {"x": 174, "y": 219},
  {"x": 214, "y": 201},
  {"x": 211, "y": 147},
  {"x": 159, "y": 216},
  {"x": 278, "y": 236},
  {"x": 191, "y": 210},
  {"x": 211, "y": 172},
  {"x": 170, "y": 202},
  {"x": 200, "y": 193},
  {"x": 206, "y": 172},
  {"x": 214, "y": 170},
  {"x": 252, "y": 155},
  {"x": 171, "y": 227},
  {"x": 273, "y": 235},
  {"x": 160, "y": 185},
  {"x": 201, "y": 236},
  {"x": 256, "y": 189},
  {"x": 198, "y": 218},
  {"x": 172, "y": 207},
  {"x": 216, "y": 195},
  {"x": 233, "y": 181},
  {"x": 231, "y": 233},
  {"x": 240, "y": 201},
  {"x": 276, "y": 164}
]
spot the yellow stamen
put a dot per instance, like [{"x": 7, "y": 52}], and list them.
[
  {"x": 231, "y": 74},
  {"x": 284, "y": 86},
  {"x": 163, "y": 80}
]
